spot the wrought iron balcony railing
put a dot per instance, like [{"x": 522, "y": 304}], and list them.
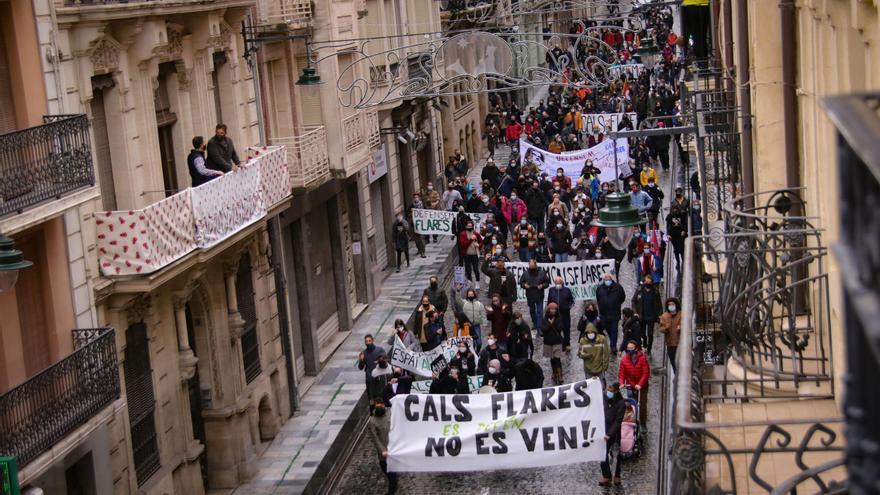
[
  {"x": 292, "y": 13},
  {"x": 360, "y": 133},
  {"x": 137, "y": 242},
  {"x": 45, "y": 162},
  {"x": 40, "y": 412},
  {"x": 307, "y": 157},
  {"x": 753, "y": 398}
]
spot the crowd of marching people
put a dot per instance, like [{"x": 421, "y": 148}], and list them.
[{"x": 540, "y": 216}]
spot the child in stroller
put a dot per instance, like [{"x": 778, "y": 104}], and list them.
[{"x": 630, "y": 439}]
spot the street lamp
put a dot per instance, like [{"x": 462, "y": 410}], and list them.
[
  {"x": 11, "y": 261},
  {"x": 619, "y": 216}
]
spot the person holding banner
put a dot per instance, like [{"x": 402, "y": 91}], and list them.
[
  {"x": 465, "y": 360},
  {"x": 534, "y": 281},
  {"x": 379, "y": 427},
  {"x": 406, "y": 337},
  {"x": 474, "y": 311}
]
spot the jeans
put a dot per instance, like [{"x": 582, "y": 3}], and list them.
[
  {"x": 560, "y": 257},
  {"x": 478, "y": 338},
  {"x": 670, "y": 351},
  {"x": 472, "y": 267},
  {"x": 525, "y": 254},
  {"x": 537, "y": 223},
  {"x": 605, "y": 465},
  {"x": 648, "y": 334},
  {"x": 611, "y": 327},
  {"x": 565, "y": 316},
  {"x": 536, "y": 311},
  {"x": 392, "y": 477}
]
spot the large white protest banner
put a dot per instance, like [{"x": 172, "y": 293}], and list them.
[
  {"x": 423, "y": 386},
  {"x": 440, "y": 222},
  {"x": 631, "y": 70},
  {"x": 607, "y": 122},
  {"x": 513, "y": 430},
  {"x": 582, "y": 277},
  {"x": 420, "y": 363},
  {"x": 572, "y": 162}
]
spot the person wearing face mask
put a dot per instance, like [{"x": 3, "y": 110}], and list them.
[
  {"x": 551, "y": 332},
  {"x": 422, "y": 320},
  {"x": 379, "y": 377},
  {"x": 634, "y": 373},
  {"x": 670, "y": 326},
  {"x": 657, "y": 196},
  {"x": 615, "y": 408},
  {"x": 677, "y": 233},
  {"x": 591, "y": 315},
  {"x": 492, "y": 376},
  {"x": 406, "y": 337},
  {"x": 543, "y": 254},
  {"x": 505, "y": 379},
  {"x": 465, "y": 360},
  {"x": 610, "y": 297},
  {"x": 525, "y": 238},
  {"x": 560, "y": 239},
  {"x": 514, "y": 209},
  {"x": 367, "y": 359},
  {"x": 649, "y": 264},
  {"x": 647, "y": 174},
  {"x": 647, "y": 303},
  {"x": 535, "y": 281},
  {"x": 594, "y": 351},
  {"x": 536, "y": 205},
  {"x": 419, "y": 239},
  {"x": 499, "y": 315},
  {"x": 450, "y": 381},
  {"x": 472, "y": 309},
  {"x": 562, "y": 296},
  {"x": 522, "y": 347},
  {"x": 400, "y": 234},
  {"x": 436, "y": 331},
  {"x": 469, "y": 244},
  {"x": 437, "y": 296},
  {"x": 501, "y": 281},
  {"x": 490, "y": 352},
  {"x": 461, "y": 221},
  {"x": 639, "y": 199},
  {"x": 399, "y": 384}
]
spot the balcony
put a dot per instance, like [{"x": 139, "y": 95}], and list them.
[
  {"x": 294, "y": 14},
  {"x": 360, "y": 134},
  {"x": 753, "y": 408},
  {"x": 44, "y": 163},
  {"x": 40, "y": 412},
  {"x": 137, "y": 242},
  {"x": 307, "y": 157}
]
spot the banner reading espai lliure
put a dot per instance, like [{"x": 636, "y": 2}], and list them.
[{"x": 513, "y": 430}]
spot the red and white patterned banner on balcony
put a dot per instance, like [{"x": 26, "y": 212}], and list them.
[{"x": 142, "y": 241}]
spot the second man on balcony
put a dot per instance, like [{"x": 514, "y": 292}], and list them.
[{"x": 221, "y": 152}]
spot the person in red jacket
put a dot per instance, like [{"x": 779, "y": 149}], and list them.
[
  {"x": 513, "y": 209},
  {"x": 514, "y": 130},
  {"x": 634, "y": 374},
  {"x": 469, "y": 244}
]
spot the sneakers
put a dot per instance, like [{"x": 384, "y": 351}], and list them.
[
  {"x": 477, "y": 286},
  {"x": 605, "y": 482}
]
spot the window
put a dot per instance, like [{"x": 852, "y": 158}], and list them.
[
  {"x": 141, "y": 402},
  {"x": 250, "y": 341}
]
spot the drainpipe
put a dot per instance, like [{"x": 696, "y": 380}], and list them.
[
  {"x": 727, "y": 14},
  {"x": 789, "y": 94},
  {"x": 745, "y": 101}
]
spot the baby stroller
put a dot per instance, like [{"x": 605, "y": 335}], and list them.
[{"x": 630, "y": 431}]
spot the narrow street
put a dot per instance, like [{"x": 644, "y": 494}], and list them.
[{"x": 363, "y": 475}]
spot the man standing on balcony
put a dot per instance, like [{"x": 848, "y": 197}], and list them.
[
  {"x": 196, "y": 163},
  {"x": 221, "y": 152}
]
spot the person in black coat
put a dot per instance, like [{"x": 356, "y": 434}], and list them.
[
  {"x": 632, "y": 329},
  {"x": 398, "y": 384},
  {"x": 221, "y": 152},
  {"x": 615, "y": 408},
  {"x": 610, "y": 296},
  {"x": 522, "y": 346},
  {"x": 465, "y": 360},
  {"x": 564, "y": 299},
  {"x": 450, "y": 381},
  {"x": 528, "y": 375},
  {"x": 400, "y": 236}
]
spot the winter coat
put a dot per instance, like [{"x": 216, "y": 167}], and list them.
[
  {"x": 615, "y": 408},
  {"x": 537, "y": 281},
  {"x": 560, "y": 240},
  {"x": 670, "y": 325},
  {"x": 420, "y": 323},
  {"x": 528, "y": 375},
  {"x": 609, "y": 300},
  {"x": 438, "y": 298},
  {"x": 486, "y": 355},
  {"x": 522, "y": 349},
  {"x": 528, "y": 232},
  {"x": 513, "y": 131},
  {"x": 445, "y": 384},
  {"x": 647, "y": 303},
  {"x": 464, "y": 242},
  {"x": 400, "y": 234},
  {"x": 369, "y": 361},
  {"x": 500, "y": 317},
  {"x": 474, "y": 310},
  {"x": 513, "y": 211},
  {"x": 467, "y": 364},
  {"x": 501, "y": 283},
  {"x": 536, "y": 203},
  {"x": 551, "y": 331},
  {"x": 562, "y": 297},
  {"x": 640, "y": 200},
  {"x": 595, "y": 353},
  {"x": 634, "y": 373},
  {"x": 408, "y": 339}
]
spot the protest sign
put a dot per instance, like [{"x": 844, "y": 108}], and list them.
[
  {"x": 632, "y": 70},
  {"x": 607, "y": 122},
  {"x": 460, "y": 276},
  {"x": 513, "y": 430},
  {"x": 440, "y": 222},
  {"x": 422, "y": 363},
  {"x": 602, "y": 156},
  {"x": 582, "y": 277},
  {"x": 423, "y": 386}
]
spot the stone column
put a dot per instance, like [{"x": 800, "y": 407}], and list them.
[
  {"x": 236, "y": 323},
  {"x": 186, "y": 357}
]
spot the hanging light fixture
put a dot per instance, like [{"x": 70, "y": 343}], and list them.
[
  {"x": 618, "y": 219},
  {"x": 11, "y": 261},
  {"x": 309, "y": 77}
]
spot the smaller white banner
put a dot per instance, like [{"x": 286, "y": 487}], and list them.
[
  {"x": 607, "y": 122},
  {"x": 514, "y": 430},
  {"x": 420, "y": 363},
  {"x": 424, "y": 386}
]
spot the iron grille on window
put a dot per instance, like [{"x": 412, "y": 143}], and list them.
[
  {"x": 141, "y": 402},
  {"x": 250, "y": 341},
  {"x": 40, "y": 412},
  {"x": 44, "y": 162}
]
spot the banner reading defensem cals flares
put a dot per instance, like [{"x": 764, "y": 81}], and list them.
[{"x": 513, "y": 430}]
